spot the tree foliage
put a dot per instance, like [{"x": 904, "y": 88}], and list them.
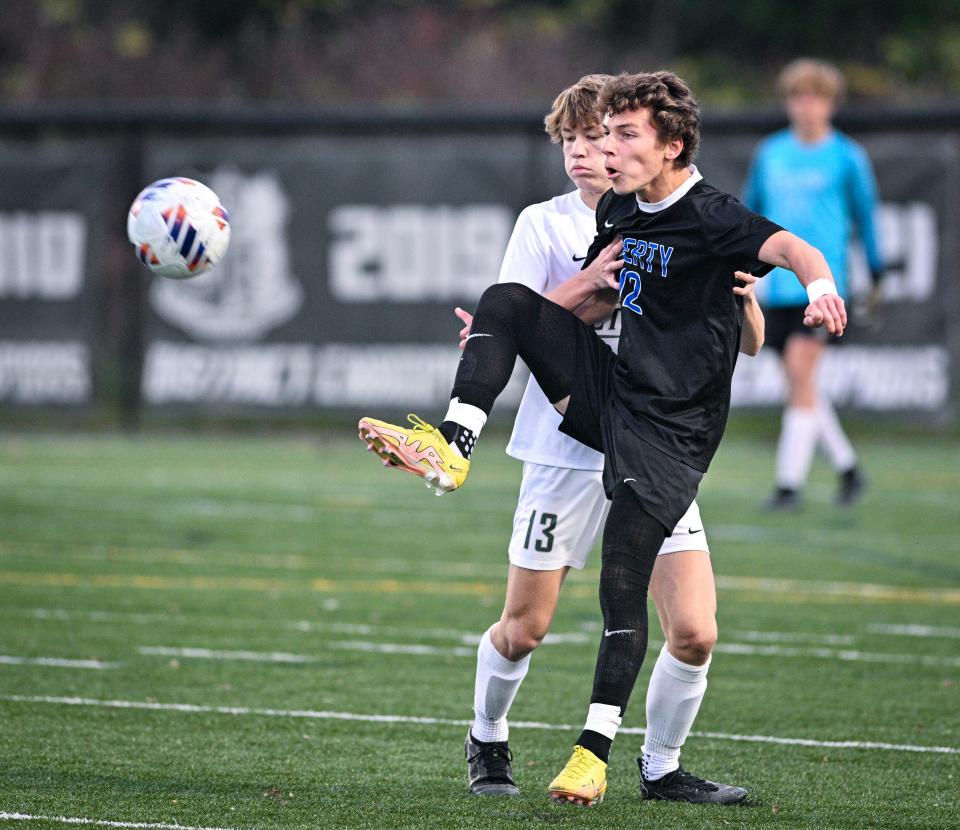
[{"x": 490, "y": 51}]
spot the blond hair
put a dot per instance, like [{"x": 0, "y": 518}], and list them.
[
  {"x": 575, "y": 107},
  {"x": 809, "y": 75}
]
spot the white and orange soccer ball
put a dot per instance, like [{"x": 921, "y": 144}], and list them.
[{"x": 178, "y": 227}]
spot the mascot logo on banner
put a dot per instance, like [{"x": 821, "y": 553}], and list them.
[{"x": 253, "y": 290}]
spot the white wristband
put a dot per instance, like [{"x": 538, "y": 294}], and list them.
[{"x": 820, "y": 288}]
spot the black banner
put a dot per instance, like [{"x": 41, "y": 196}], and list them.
[
  {"x": 346, "y": 261},
  {"x": 348, "y": 256},
  {"x": 52, "y": 225}
]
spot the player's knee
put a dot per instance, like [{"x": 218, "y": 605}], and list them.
[
  {"x": 503, "y": 300},
  {"x": 521, "y": 636},
  {"x": 512, "y": 292},
  {"x": 693, "y": 642}
]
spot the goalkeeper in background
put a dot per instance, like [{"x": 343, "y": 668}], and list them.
[{"x": 819, "y": 184}]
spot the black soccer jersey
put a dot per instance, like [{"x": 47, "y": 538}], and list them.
[{"x": 680, "y": 320}]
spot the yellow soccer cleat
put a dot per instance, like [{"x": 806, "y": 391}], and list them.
[
  {"x": 419, "y": 449},
  {"x": 582, "y": 781}
]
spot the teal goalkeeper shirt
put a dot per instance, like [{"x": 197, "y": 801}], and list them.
[{"x": 820, "y": 192}]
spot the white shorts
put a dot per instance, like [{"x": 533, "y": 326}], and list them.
[{"x": 560, "y": 516}]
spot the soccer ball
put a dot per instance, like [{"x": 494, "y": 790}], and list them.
[{"x": 178, "y": 227}]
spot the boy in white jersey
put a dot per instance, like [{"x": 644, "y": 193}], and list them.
[{"x": 562, "y": 506}]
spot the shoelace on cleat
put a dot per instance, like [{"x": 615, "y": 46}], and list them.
[
  {"x": 579, "y": 763},
  {"x": 420, "y": 425},
  {"x": 496, "y": 757},
  {"x": 681, "y": 776}
]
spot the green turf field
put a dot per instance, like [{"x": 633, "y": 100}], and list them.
[{"x": 241, "y": 632}]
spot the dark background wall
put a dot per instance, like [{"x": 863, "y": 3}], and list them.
[{"x": 354, "y": 235}]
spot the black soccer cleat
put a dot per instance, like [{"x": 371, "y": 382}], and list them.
[
  {"x": 783, "y": 499},
  {"x": 488, "y": 767},
  {"x": 681, "y": 785},
  {"x": 850, "y": 487}
]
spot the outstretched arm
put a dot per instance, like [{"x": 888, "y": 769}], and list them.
[
  {"x": 826, "y": 308},
  {"x": 751, "y": 336}
]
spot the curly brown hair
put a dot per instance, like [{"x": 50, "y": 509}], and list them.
[
  {"x": 674, "y": 112},
  {"x": 575, "y": 107}
]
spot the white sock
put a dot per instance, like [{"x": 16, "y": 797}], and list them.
[
  {"x": 603, "y": 718},
  {"x": 833, "y": 439},
  {"x": 673, "y": 700},
  {"x": 467, "y": 415},
  {"x": 498, "y": 680},
  {"x": 471, "y": 419},
  {"x": 798, "y": 440}
]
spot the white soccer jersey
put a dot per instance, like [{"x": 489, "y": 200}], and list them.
[{"x": 546, "y": 248}]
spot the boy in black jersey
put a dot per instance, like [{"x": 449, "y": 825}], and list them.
[{"x": 657, "y": 411}]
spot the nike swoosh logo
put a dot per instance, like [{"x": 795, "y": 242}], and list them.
[
  {"x": 608, "y": 224},
  {"x": 478, "y": 334},
  {"x": 618, "y": 631},
  {"x": 578, "y": 258},
  {"x": 698, "y": 530}
]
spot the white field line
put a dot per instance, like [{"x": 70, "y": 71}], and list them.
[
  {"x": 744, "y": 649},
  {"x": 222, "y": 654},
  {"x": 59, "y": 662},
  {"x": 304, "y": 626},
  {"x": 401, "y": 648},
  {"x": 96, "y": 822},
  {"x": 844, "y": 655},
  {"x": 914, "y": 630},
  {"x": 63, "y": 615},
  {"x": 557, "y": 638},
  {"x": 794, "y": 637},
  {"x": 587, "y": 634},
  {"x": 283, "y": 657},
  {"x": 470, "y": 639},
  {"x": 429, "y": 721}
]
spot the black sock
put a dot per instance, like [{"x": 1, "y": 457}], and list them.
[
  {"x": 631, "y": 541},
  {"x": 459, "y": 436},
  {"x": 598, "y": 744}
]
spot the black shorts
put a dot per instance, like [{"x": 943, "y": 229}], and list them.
[
  {"x": 664, "y": 486},
  {"x": 783, "y": 322}
]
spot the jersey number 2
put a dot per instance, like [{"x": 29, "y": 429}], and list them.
[
  {"x": 630, "y": 283},
  {"x": 548, "y": 523}
]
